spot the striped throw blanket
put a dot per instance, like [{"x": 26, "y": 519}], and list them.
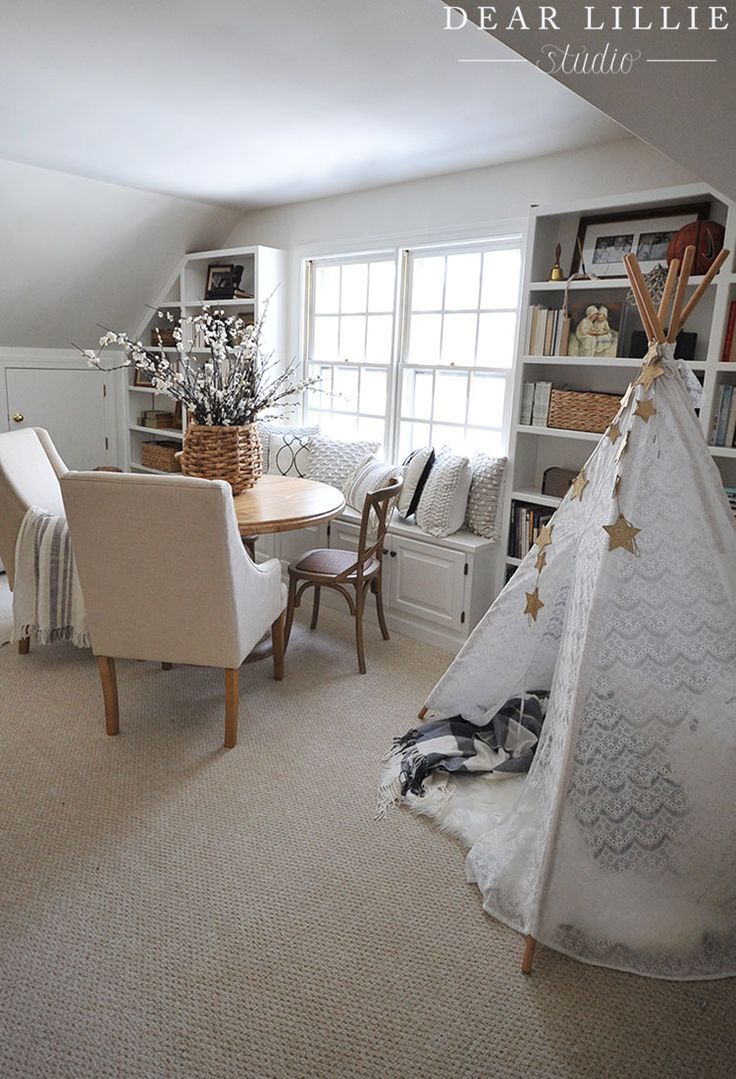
[
  {"x": 47, "y": 599},
  {"x": 430, "y": 754}
]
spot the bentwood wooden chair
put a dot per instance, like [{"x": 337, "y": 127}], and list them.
[
  {"x": 350, "y": 573},
  {"x": 165, "y": 576},
  {"x": 30, "y": 469}
]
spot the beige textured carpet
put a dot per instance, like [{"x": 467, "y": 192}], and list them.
[{"x": 172, "y": 909}]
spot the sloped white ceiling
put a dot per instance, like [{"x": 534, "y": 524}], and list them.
[
  {"x": 259, "y": 102},
  {"x": 684, "y": 109},
  {"x": 77, "y": 253}
]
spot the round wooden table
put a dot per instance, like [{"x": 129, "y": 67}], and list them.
[{"x": 283, "y": 504}]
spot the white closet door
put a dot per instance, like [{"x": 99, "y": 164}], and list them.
[{"x": 69, "y": 403}]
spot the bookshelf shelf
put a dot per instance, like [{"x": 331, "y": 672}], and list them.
[
  {"x": 534, "y": 448},
  {"x": 536, "y": 496},
  {"x": 555, "y": 432},
  {"x": 162, "y": 432}
]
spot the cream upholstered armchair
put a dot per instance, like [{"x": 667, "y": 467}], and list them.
[
  {"x": 165, "y": 577},
  {"x": 30, "y": 469}
]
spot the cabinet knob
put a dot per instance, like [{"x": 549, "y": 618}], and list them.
[
  {"x": 385, "y": 550},
  {"x": 18, "y": 417},
  {"x": 393, "y": 554}
]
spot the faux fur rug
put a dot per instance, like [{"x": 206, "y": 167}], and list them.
[{"x": 469, "y": 805}]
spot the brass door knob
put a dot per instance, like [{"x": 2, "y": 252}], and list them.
[{"x": 19, "y": 417}]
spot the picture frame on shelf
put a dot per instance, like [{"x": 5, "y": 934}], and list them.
[
  {"x": 604, "y": 239},
  {"x": 222, "y": 281},
  {"x": 596, "y": 330},
  {"x": 142, "y": 378}
]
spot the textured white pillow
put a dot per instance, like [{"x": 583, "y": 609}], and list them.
[
  {"x": 335, "y": 462},
  {"x": 267, "y": 429},
  {"x": 417, "y": 468},
  {"x": 441, "y": 509},
  {"x": 371, "y": 476},
  {"x": 484, "y": 499}
]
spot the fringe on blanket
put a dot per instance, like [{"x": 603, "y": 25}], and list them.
[{"x": 47, "y": 597}]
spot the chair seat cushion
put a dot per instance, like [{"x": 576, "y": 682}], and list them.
[{"x": 328, "y": 562}]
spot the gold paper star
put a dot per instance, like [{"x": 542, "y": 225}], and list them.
[
  {"x": 614, "y": 432},
  {"x": 578, "y": 485},
  {"x": 541, "y": 561},
  {"x": 544, "y": 538},
  {"x": 649, "y": 372},
  {"x": 645, "y": 409},
  {"x": 533, "y": 604},
  {"x": 622, "y": 534}
]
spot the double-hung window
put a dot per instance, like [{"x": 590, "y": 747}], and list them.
[{"x": 415, "y": 346}]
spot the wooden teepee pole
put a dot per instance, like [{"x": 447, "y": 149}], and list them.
[
  {"x": 669, "y": 289},
  {"x": 644, "y": 301},
  {"x": 699, "y": 291},
  {"x": 687, "y": 265}
]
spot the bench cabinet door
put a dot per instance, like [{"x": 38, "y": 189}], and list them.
[{"x": 426, "y": 582}]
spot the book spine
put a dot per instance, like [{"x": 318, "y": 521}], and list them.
[
  {"x": 527, "y": 402},
  {"x": 542, "y": 395},
  {"x": 723, "y": 415},
  {"x": 716, "y": 418},
  {"x": 729, "y": 338},
  {"x": 731, "y": 424}
]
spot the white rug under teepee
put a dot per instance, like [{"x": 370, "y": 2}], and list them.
[{"x": 620, "y": 849}]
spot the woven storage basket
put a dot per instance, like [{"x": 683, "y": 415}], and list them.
[
  {"x": 161, "y": 455},
  {"x": 577, "y": 411},
  {"x": 223, "y": 453}
]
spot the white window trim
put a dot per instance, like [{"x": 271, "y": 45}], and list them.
[{"x": 466, "y": 237}]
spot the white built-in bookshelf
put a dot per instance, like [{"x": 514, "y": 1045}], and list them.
[
  {"x": 264, "y": 279},
  {"x": 535, "y": 448}
]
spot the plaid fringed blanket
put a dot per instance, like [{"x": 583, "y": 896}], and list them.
[
  {"x": 47, "y": 599},
  {"x": 456, "y": 746}
]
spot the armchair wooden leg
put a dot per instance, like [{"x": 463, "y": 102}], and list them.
[
  {"x": 24, "y": 646},
  {"x": 377, "y": 590},
  {"x": 109, "y": 693},
  {"x": 359, "y": 605},
  {"x": 277, "y": 643},
  {"x": 315, "y": 607},
  {"x": 290, "y": 606},
  {"x": 232, "y": 705}
]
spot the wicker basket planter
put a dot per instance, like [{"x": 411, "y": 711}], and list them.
[
  {"x": 223, "y": 453},
  {"x": 161, "y": 455},
  {"x": 576, "y": 411}
]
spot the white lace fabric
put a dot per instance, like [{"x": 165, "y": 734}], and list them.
[{"x": 621, "y": 849}]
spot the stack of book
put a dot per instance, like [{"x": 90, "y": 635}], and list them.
[
  {"x": 548, "y": 331},
  {"x": 731, "y": 496},
  {"x": 535, "y": 398},
  {"x": 526, "y": 521},
  {"x": 728, "y": 354},
  {"x": 723, "y": 431}
]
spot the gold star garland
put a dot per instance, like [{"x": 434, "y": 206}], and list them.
[{"x": 542, "y": 542}]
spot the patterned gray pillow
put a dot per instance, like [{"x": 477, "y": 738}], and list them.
[
  {"x": 278, "y": 432},
  {"x": 441, "y": 509},
  {"x": 335, "y": 462},
  {"x": 484, "y": 500},
  {"x": 417, "y": 468}
]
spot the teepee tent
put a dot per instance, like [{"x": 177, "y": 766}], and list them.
[{"x": 621, "y": 849}]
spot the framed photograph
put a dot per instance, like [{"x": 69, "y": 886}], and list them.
[
  {"x": 604, "y": 240},
  {"x": 142, "y": 378},
  {"x": 222, "y": 281},
  {"x": 596, "y": 329}
]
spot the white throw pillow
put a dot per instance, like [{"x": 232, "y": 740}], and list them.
[
  {"x": 417, "y": 468},
  {"x": 371, "y": 476},
  {"x": 335, "y": 462},
  {"x": 289, "y": 444},
  {"x": 441, "y": 509},
  {"x": 484, "y": 499}
]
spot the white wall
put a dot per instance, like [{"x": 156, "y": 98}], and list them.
[
  {"x": 463, "y": 200},
  {"x": 77, "y": 253}
]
